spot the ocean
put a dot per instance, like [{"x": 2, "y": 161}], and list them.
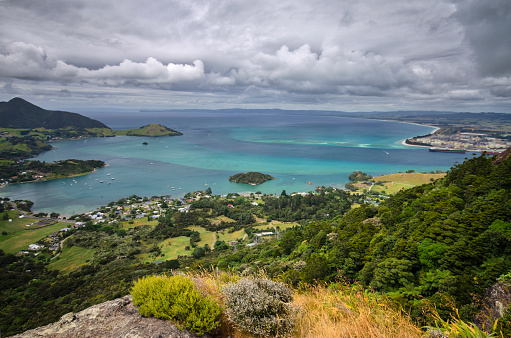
[{"x": 296, "y": 148}]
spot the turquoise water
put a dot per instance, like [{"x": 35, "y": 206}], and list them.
[{"x": 295, "y": 149}]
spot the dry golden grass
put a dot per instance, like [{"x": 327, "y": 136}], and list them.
[{"x": 350, "y": 313}]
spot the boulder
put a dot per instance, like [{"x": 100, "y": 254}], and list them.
[{"x": 117, "y": 318}]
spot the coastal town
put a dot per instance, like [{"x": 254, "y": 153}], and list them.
[{"x": 461, "y": 142}]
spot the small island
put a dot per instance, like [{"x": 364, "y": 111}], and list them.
[
  {"x": 251, "y": 177},
  {"x": 151, "y": 130}
]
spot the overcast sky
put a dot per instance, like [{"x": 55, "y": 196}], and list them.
[{"x": 365, "y": 55}]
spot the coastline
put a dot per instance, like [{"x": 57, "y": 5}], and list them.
[{"x": 403, "y": 142}]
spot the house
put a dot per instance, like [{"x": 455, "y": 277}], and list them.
[
  {"x": 231, "y": 243},
  {"x": 34, "y": 247},
  {"x": 64, "y": 229},
  {"x": 255, "y": 204}
]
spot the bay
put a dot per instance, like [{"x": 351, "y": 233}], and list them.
[{"x": 297, "y": 149}]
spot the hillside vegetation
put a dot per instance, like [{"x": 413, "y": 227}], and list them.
[{"x": 429, "y": 251}]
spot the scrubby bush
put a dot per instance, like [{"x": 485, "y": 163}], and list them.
[
  {"x": 176, "y": 298},
  {"x": 260, "y": 306}
]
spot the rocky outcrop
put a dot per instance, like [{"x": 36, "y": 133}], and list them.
[
  {"x": 497, "y": 299},
  {"x": 503, "y": 156},
  {"x": 116, "y": 318}
]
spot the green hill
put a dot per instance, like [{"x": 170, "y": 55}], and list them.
[{"x": 18, "y": 113}]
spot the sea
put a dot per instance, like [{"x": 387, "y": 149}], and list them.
[{"x": 302, "y": 150}]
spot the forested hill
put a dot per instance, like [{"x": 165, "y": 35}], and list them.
[
  {"x": 18, "y": 113},
  {"x": 448, "y": 240}
]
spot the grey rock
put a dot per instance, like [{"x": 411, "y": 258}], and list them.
[
  {"x": 496, "y": 300},
  {"x": 116, "y": 318}
]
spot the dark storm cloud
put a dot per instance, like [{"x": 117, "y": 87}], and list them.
[
  {"x": 322, "y": 52},
  {"x": 487, "y": 29}
]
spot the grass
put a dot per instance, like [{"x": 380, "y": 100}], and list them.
[
  {"x": 284, "y": 225},
  {"x": 138, "y": 222},
  {"x": 395, "y": 182},
  {"x": 205, "y": 236},
  {"x": 349, "y": 312},
  {"x": 171, "y": 248},
  {"x": 218, "y": 220},
  {"x": 227, "y": 237},
  {"x": 71, "y": 258},
  {"x": 21, "y": 239},
  {"x": 392, "y": 183}
]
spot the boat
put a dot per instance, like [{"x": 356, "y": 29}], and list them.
[
  {"x": 491, "y": 152},
  {"x": 447, "y": 150}
]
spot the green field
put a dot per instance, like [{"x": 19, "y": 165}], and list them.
[
  {"x": 138, "y": 222},
  {"x": 171, "y": 248},
  {"x": 20, "y": 240},
  {"x": 205, "y": 235},
  {"x": 227, "y": 237},
  {"x": 392, "y": 183},
  {"x": 71, "y": 258}
]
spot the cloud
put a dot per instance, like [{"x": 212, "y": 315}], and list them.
[
  {"x": 26, "y": 61},
  {"x": 487, "y": 30}
]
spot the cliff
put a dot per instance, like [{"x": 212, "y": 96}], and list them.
[{"x": 113, "y": 319}]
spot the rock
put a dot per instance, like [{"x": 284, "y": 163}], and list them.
[
  {"x": 502, "y": 156},
  {"x": 496, "y": 300},
  {"x": 116, "y": 318}
]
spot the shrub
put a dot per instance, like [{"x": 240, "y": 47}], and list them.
[
  {"x": 176, "y": 298},
  {"x": 260, "y": 307}
]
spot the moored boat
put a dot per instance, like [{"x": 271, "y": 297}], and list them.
[{"x": 447, "y": 150}]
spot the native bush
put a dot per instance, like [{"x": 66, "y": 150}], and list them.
[
  {"x": 260, "y": 306},
  {"x": 176, "y": 298}
]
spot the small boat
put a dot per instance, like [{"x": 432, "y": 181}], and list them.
[
  {"x": 100, "y": 181},
  {"x": 447, "y": 150}
]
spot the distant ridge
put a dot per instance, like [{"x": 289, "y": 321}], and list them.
[{"x": 18, "y": 113}]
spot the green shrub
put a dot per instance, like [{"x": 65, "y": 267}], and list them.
[
  {"x": 176, "y": 298},
  {"x": 260, "y": 307}
]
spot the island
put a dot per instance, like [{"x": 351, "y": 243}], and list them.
[
  {"x": 251, "y": 177},
  {"x": 151, "y": 130}
]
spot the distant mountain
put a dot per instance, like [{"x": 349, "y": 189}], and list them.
[{"x": 18, "y": 113}]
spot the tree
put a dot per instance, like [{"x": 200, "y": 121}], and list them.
[{"x": 199, "y": 252}]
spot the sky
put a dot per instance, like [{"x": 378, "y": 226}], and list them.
[{"x": 365, "y": 55}]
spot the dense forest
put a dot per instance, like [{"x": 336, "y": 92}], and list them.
[{"x": 438, "y": 245}]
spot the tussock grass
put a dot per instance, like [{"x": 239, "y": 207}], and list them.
[{"x": 349, "y": 312}]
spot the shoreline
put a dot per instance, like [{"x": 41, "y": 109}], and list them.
[{"x": 403, "y": 142}]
